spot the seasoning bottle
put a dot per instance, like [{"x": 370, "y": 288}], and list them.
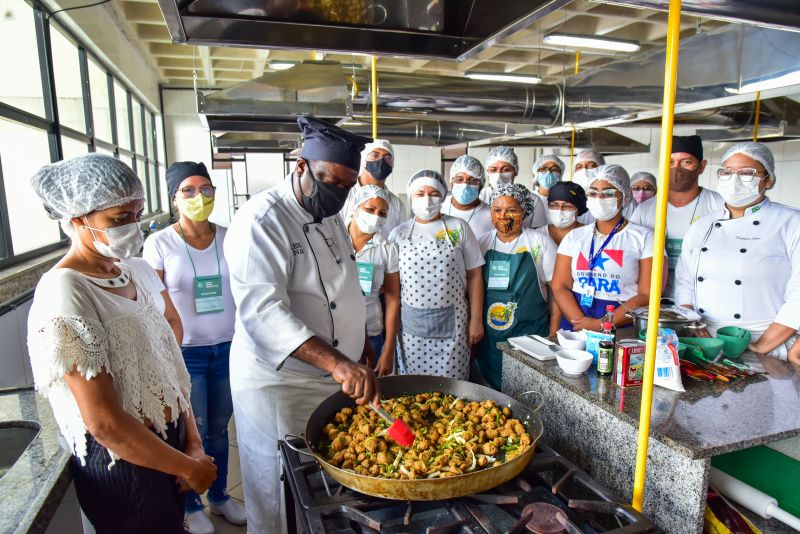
[
  {"x": 609, "y": 318},
  {"x": 605, "y": 352}
]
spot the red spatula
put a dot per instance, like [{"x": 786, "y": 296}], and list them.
[{"x": 398, "y": 429}]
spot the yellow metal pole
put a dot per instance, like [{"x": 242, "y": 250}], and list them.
[
  {"x": 577, "y": 60},
  {"x": 572, "y": 154},
  {"x": 374, "y": 97},
  {"x": 667, "y": 120},
  {"x": 758, "y": 116}
]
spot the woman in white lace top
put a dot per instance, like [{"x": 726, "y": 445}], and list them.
[{"x": 102, "y": 339}]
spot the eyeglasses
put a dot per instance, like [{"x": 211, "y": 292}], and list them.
[
  {"x": 643, "y": 188},
  {"x": 745, "y": 175},
  {"x": 191, "y": 191},
  {"x": 562, "y": 207},
  {"x": 554, "y": 168},
  {"x": 464, "y": 180},
  {"x": 586, "y": 166},
  {"x": 375, "y": 156},
  {"x": 605, "y": 193}
]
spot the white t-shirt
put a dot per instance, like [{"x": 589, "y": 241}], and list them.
[
  {"x": 383, "y": 256},
  {"x": 550, "y": 252},
  {"x": 167, "y": 251},
  {"x": 679, "y": 219},
  {"x": 479, "y": 217},
  {"x": 529, "y": 242},
  {"x": 460, "y": 234},
  {"x": 616, "y": 274}
]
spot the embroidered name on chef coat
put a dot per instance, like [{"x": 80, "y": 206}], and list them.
[{"x": 297, "y": 249}]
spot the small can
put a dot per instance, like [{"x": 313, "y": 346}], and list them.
[{"x": 630, "y": 363}]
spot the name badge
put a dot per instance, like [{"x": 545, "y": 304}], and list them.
[
  {"x": 587, "y": 297},
  {"x": 208, "y": 294},
  {"x": 499, "y": 274},
  {"x": 365, "y": 271},
  {"x": 673, "y": 248}
]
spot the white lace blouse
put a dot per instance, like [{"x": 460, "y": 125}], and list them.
[{"x": 75, "y": 324}]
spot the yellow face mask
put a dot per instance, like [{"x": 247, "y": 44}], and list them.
[{"x": 197, "y": 208}]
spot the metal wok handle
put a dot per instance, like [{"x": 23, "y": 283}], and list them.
[
  {"x": 295, "y": 449},
  {"x": 540, "y": 398}
]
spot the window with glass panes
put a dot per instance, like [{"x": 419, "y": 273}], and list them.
[{"x": 60, "y": 102}]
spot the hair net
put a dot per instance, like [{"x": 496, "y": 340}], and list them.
[
  {"x": 646, "y": 176},
  {"x": 469, "y": 165},
  {"x": 426, "y": 177},
  {"x": 590, "y": 155},
  {"x": 756, "y": 151},
  {"x": 544, "y": 159},
  {"x": 88, "y": 183},
  {"x": 515, "y": 191},
  {"x": 370, "y": 191},
  {"x": 615, "y": 175},
  {"x": 503, "y": 153},
  {"x": 377, "y": 143}
]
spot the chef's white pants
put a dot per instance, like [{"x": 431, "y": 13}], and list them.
[{"x": 268, "y": 404}]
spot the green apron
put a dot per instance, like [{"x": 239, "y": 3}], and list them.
[{"x": 519, "y": 309}]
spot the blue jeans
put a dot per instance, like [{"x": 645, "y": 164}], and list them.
[
  {"x": 212, "y": 407},
  {"x": 377, "y": 344}
]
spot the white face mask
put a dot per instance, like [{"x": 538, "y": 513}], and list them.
[
  {"x": 561, "y": 218},
  {"x": 123, "y": 241},
  {"x": 427, "y": 207},
  {"x": 579, "y": 177},
  {"x": 369, "y": 223},
  {"x": 737, "y": 193},
  {"x": 497, "y": 178},
  {"x": 602, "y": 209}
]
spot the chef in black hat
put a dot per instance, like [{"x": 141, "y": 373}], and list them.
[
  {"x": 687, "y": 200},
  {"x": 300, "y": 318}
]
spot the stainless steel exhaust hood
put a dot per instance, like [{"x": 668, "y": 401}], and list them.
[{"x": 443, "y": 29}]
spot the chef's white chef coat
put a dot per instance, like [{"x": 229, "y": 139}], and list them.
[
  {"x": 743, "y": 272},
  {"x": 396, "y": 216},
  {"x": 536, "y": 220},
  {"x": 479, "y": 218},
  {"x": 292, "y": 279}
]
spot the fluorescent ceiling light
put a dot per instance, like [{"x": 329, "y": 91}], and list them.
[
  {"x": 500, "y": 77},
  {"x": 786, "y": 80},
  {"x": 282, "y": 65},
  {"x": 590, "y": 41},
  {"x": 319, "y": 56}
]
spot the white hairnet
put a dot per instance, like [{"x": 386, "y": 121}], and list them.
[
  {"x": 646, "y": 176},
  {"x": 590, "y": 155},
  {"x": 756, "y": 151},
  {"x": 426, "y": 177},
  {"x": 469, "y": 165},
  {"x": 84, "y": 184},
  {"x": 615, "y": 175},
  {"x": 544, "y": 159},
  {"x": 370, "y": 191},
  {"x": 503, "y": 153},
  {"x": 377, "y": 143}
]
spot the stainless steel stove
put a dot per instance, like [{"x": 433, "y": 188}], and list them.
[{"x": 551, "y": 496}]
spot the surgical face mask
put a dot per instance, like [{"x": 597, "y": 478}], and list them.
[
  {"x": 427, "y": 207},
  {"x": 197, "y": 208},
  {"x": 641, "y": 196},
  {"x": 561, "y": 218},
  {"x": 602, "y": 209},
  {"x": 326, "y": 201},
  {"x": 547, "y": 179},
  {"x": 123, "y": 241},
  {"x": 737, "y": 193},
  {"x": 379, "y": 169},
  {"x": 369, "y": 223},
  {"x": 580, "y": 178},
  {"x": 465, "y": 193},
  {"x": 682, "y": 180},
  {"x": 497, "y": 178}
]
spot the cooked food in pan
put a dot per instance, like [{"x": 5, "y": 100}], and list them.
[{"x": 453, "y": 436}]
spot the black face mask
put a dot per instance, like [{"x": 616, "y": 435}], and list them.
[
  {"x": 379, "y": 169},
  {"x": 326, "y": 200}
]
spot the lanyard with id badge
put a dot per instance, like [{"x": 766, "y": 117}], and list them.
[
  {"x": 587, "y": 297},
  {"x": 500, "y": 270},
  {"x": 207, "y": 289}
]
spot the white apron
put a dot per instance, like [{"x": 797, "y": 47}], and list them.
[{"x": 434, "y": 311}]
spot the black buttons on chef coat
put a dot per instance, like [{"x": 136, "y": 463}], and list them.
[
  {"x": 704, "y": 249},
  {"x": 717, "y": 225},
  {"x": 737, "y": 316},
  {"x": 738, "y": 282},
  {"x": 353, "y": 257},
  {"x": 333, "y": 305},
  {"x": 701, "y": 310},
  {"x": 756, "y": 223},
  {"x": 307, "y": 229},
  {"x": 742, "y": 250},
  {"x": 700, "y": 278},
  {"x": 335, "y": 343}
]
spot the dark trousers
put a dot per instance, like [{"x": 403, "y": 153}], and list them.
[{"x": 128, "y": 498}]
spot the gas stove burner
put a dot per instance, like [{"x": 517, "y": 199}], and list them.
[{"x": 545, "y": 518}]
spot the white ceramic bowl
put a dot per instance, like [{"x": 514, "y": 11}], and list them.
[
  {"x": 571, "y": 340},
  {"x": 574, "y": 362}
]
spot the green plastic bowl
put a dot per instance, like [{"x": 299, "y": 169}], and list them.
[
  {"x": 734, "y": 340},
  {"x": 681, "y": 346},
  {"x": 708, "y": 345}
]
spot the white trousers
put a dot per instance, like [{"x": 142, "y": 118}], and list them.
[{"x": 268, "y": 404}]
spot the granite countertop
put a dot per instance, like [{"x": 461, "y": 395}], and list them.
[
  {"x": 33, "y": 487},
  {"x": 709, "y": 418}
]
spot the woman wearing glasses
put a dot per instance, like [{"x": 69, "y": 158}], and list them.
[
  {"x": 605, "y": 263},
  {"x": 189, "y": 259},
  {"x": 740, "y": 266}
]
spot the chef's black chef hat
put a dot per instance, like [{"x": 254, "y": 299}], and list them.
[
  {"x": 690, "y": 144},
  {"x": 325, "y": 142},
  {"x": 181, "y": 170},
  {"x": 568, "y": 192}
]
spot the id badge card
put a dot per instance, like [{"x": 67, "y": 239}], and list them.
[
  {"x": 587, "y": 298},
  {"x": 365, "y": 271},
  {"x": 208, "y": 294},
  {"x": 499, "y": 274},
  {"x": 673, "y": 248}
]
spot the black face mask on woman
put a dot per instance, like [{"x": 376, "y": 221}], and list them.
[
  {"x": 326, "y": 200},
  {"x": 379, "y": 169}
]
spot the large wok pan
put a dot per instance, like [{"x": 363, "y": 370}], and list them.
[{"x": 425, "y": 489}]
